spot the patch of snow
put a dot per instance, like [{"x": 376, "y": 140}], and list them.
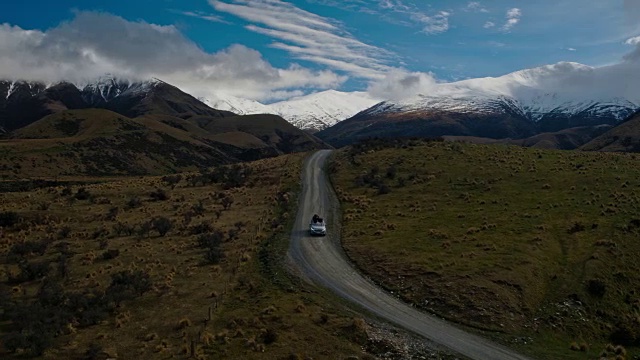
[
  {"x": 12, "y": 88},
  {"x": 314, "y": 112}
]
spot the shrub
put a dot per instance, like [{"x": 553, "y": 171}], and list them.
[
  {"x": 113, "y": 213},
  {"x": 626, "y": 332},
  {"x": 172, "y": 180},
  {"x": 110, "y": 254},
  {"x": 203, "y": 227},
  {"x": 383, "y": 189},
  {"x": 143, "y": 229},
  {"x": 126, "y": 285},
  {"x": 64, "y": 232},
  {"x": 270, "y": 336},
  {"x": 162, "y": 225},
  {"x": 211, "y": 239},
  {"x": 122, "y": 229},
  {"x": 134, "y": 202},
  {"x": 392, "y": 171},
  {"x": 576, "y": 227},
  {"x": 82, "y": 194},
  {"x": 159, "y": 195},
  {"x": 212, "y": 242},
  {"x": 30, "y": 271},
  {"x": 29, "y": 247},
  {"x": 596, "y": 287},
  {"x": 198, "y": 209},
  {"x": 9, "y": 219},
  {"x": 183, "y": 323},
  {"x": 226, "y": 202}
]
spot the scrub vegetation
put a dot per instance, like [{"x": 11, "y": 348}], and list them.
[
  {"x": 536, "y": 248},
  {"x": 187, "y": 265}
]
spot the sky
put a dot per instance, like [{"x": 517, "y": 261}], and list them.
[{"x": 273, "y": 49}]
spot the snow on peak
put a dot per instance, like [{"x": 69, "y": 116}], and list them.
[
  {"x": 312, "y": 112},
  {"x": 566, "y": 87}
]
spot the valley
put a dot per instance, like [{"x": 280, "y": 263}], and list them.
[{"x": 456, "y": 205}]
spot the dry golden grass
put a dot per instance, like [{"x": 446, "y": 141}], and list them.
[{"x": 244, "y": 307}]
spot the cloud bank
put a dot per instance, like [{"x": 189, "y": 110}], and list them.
[{"x": 93, "y": 44}]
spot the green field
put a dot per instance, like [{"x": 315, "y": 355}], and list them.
[{"x": 535, "y": 248}]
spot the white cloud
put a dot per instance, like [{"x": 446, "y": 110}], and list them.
[
  {"x": 571, "y": 49},
  {"x": 400, "y": 84},
  {"x": 310, "y": 37},
  {"x": 633, "y": 41},
  {"x": 489, "y": 25},
  {"x": 513, "y": 18},
  {"x": 204, "y": 16},
  {"x": 434, "y": 24},
  {"x": 475, "y": 6},
  {"x": 93, "y": 44}
]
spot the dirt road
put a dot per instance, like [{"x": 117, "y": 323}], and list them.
[{"x": 322, "y": 260}]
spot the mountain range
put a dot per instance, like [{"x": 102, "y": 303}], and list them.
[
  {"x": 313, "y": 112},
  {"x": 114, "y": 126},
  {"x": 517, "y": 106},
  {"x": 540, "y": 107}
]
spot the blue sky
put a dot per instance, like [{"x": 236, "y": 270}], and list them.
[{"x": 304, "y": 45}]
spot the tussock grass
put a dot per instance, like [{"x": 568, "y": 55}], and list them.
[
  {"x": 522, "y": 242},
  {"x": 84, "y": 242}
]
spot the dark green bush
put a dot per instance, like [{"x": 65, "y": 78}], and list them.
[
  {"x": 82, "y": 194},
  {"x": 9, "y": 219},
  {"x": 159, "y": 195},
  {"x": 162, "y": 225},
  {"x": 110, "y": 254}
]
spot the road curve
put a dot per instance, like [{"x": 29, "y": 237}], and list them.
[{"x": 323, "y": 261}]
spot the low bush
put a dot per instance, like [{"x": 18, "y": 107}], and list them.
[
  {"x": 9, "y": 219},
  {"x": 162, "y": 225},
  {"x": 110, "y": 254}
]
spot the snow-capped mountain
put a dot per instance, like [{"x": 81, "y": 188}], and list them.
[
  {"x": 237, "y": 105},
  {"x": 517, "y": 105},
  {"x": 107, "y": 88},
  {"x": 22, "y": 102},
  {"x": 536, "y": 94},
  {"x": 311, "y": 112}
]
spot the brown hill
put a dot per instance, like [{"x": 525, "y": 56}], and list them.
[
  {"x": 102, "y": 142},
  {"x": 426, "y": 124},
  {"x": 568, "y": 139},
  {"x": 25, "y": 102},
  {"x": 157, "y": 97},
  {"x": 623, "y": 138}
]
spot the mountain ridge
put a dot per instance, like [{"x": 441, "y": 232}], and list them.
[
  {"x": 312, "y": 112},
  {"x": 517, "y": 105}
]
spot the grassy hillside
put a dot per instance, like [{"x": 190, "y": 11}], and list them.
[
  {"x": 98, "y": 142},
  {"x": 568, "y": 139},
  {"x": 185, "y": 266},
  {"x": 624, "y": 137},
  {"x": 536, "y": 247}
]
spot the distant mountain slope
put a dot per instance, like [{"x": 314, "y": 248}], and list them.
[
  {"x": 568, "y": 139},
  {"x": 22, "y": 103},
  {"x": 102, "y": 142},
  {"x": 311, "y": 112},
  {"x": 158, "y": 97},
  {"x": 624, "y": 138},
  {"x": 517, "y": 105}
]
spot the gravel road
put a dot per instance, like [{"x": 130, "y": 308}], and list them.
[{"x": 322, "y": 261}]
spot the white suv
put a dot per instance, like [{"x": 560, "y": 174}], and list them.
[{"x": 317, "y": 226}]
